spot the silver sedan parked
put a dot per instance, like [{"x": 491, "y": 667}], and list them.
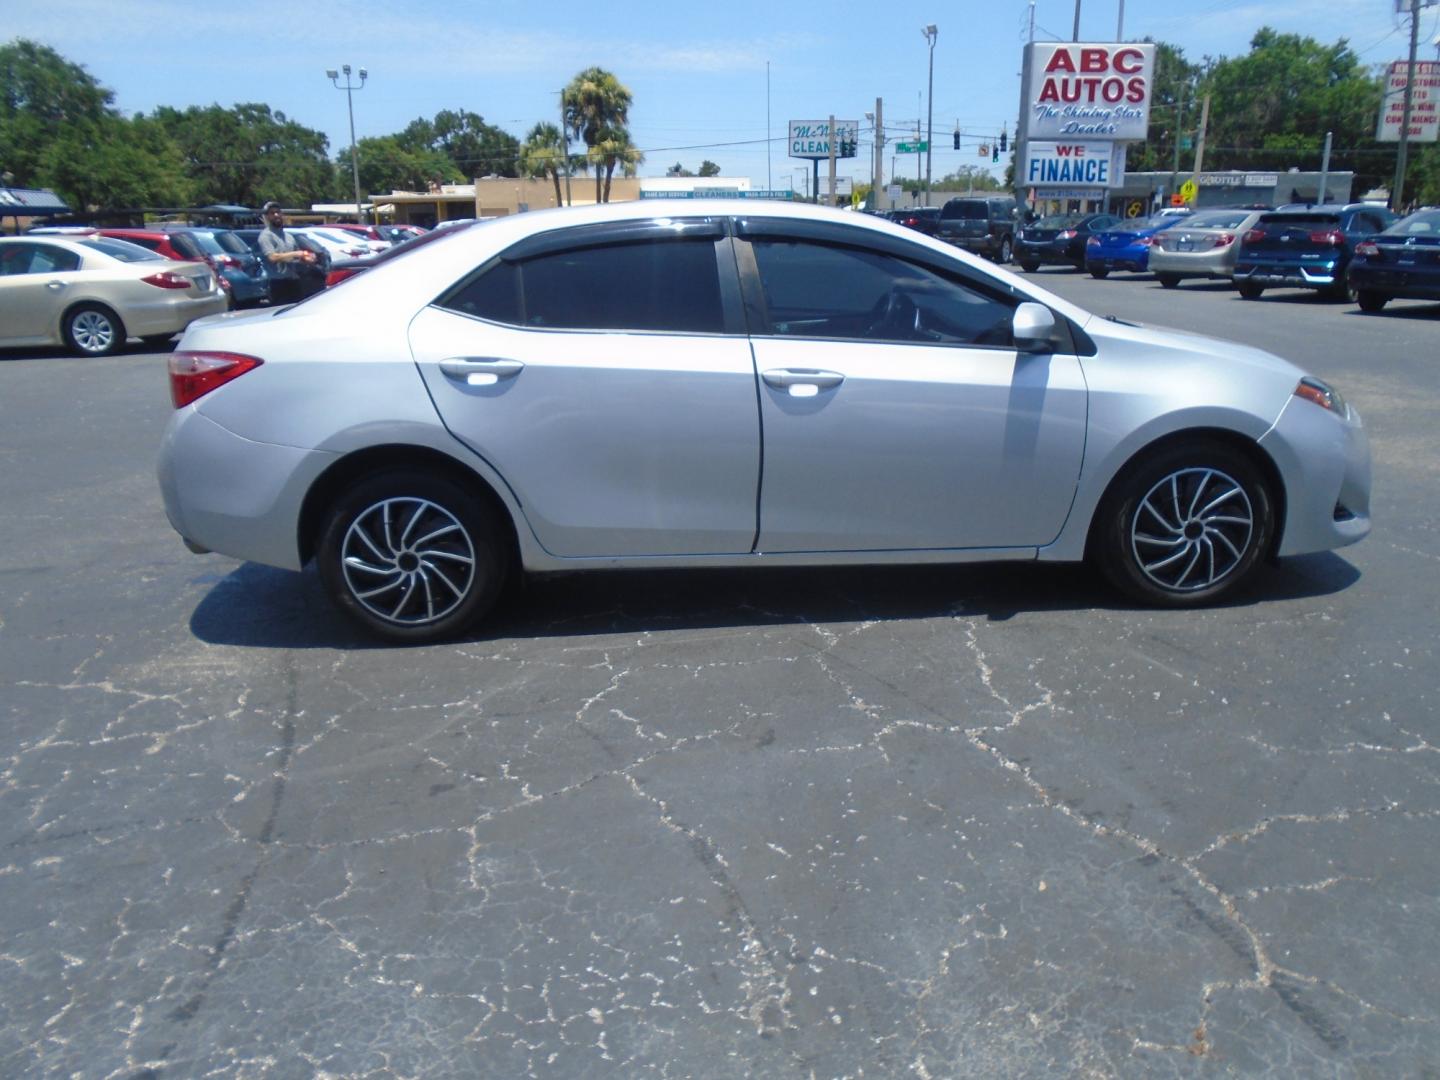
[
  {"x": 1204, "y": 245},
  {"x": 734, "y": 386}
]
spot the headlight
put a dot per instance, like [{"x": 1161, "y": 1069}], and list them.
[{"x": 1322, "y": 394}]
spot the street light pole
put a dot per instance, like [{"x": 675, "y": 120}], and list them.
[
  {"x": 931, "y": 33},
  {"x": 354, "y": 152}
]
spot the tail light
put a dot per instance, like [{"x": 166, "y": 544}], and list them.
[
  {"x": 1093, "y": 240},
  {"x": 1367, "y": 249},
  {"x": 1254, "y": 236},
  {"x": 1333, "y": 237},
  {"x": 334, "y": 277},
  {"x": 227, "y": 260},
  {"x": 168, "y": 279},
  {"x": 195, "y": 374},
  {"x": 1225, "y": 239},
  {"x": 1068, "y": 234},
  {"x": 1146, "y": 241}
]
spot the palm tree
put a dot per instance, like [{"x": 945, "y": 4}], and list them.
[
  {"x": 613, "y": 147},
  {"x": 596, "y": 107},
  {"x": 543, "y": 155}
]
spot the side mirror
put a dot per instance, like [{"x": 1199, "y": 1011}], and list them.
[{"x": 1033, "y": 328}]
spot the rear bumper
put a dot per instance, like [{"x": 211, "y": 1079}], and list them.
[
  {"x": 1138, "y": 262},
  {"x": 1208, "y": 264},
  {"x": 1046, "y": 252},
  {"x": 980, "y": 245},
  {"x": 1394, "y": 282},
  {"x": 170, "y": 316},
  {"x": 1288, "y": 275}
]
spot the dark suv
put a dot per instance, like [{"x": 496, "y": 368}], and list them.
[
  {"x": 1305, "y": 248},
  {"x": 984, "y": 224}
]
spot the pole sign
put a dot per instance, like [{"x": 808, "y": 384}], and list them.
[
  {"x": 1424, "y": 103},
  {"x": 1075, "y": 164},
  {"x": 812, "y": 139},
  {"x": 1089, "y": 91}
]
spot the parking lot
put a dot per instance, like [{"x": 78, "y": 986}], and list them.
[{"x": 930, "y": 822}]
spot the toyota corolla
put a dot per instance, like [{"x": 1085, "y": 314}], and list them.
[{"x": 726, "y": 386}]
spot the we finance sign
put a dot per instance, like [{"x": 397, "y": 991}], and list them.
[
  {"x": 1075, "y": 164},
  {"x": 1096, "y": 91}
]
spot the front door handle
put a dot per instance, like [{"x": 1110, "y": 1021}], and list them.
[
  {"x": 480, "y": 370},
  {"x": 55, "y": 285},
  {"x": 802, "y": 382}
]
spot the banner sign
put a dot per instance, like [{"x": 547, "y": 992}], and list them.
[
  {"x": 812, "y": 140},
  {"x": 1074, "y": 164},
  {"x": 1424, "y": 101},
  {"x": 1089, "y": 91}
]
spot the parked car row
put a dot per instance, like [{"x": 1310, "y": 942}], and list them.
[{"x": 1355, "y": 250}]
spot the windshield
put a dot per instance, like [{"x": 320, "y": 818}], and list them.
[
  {"x": 1217, "y": 219},
  {"x": 966, "y": 211},
  {"x": 1425, "y": 223},
  {"x": 121, "y": 249},
  {"x": 232, "y": 243}
]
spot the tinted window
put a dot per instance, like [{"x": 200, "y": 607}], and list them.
[
  {"x": 1058, "y": 221},
  {"x": 121, "y": 249},
  {"x": 1216, "y": 219},
  {"x": 143, "y": 241},
  {"x": 815, "y": 290},
  {"x": 671, "y": 286},
  {"x": 1425, "y": 223},
  {"x": 39, "y": 259},
  {"x": 965, "y": 211}
]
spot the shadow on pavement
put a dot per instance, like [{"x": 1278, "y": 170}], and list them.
[{"x": 262, "y": 607}]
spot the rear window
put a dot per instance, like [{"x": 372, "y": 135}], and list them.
[
  {"x": 121, "y": 249},
  {"x": 1317, "y": 217},
  {"x": 232, "y": 243},
  {"x": 964, "y": 211},
  {"x": 1425, "y": 223},
  {"x": 206, "y": 242},
  {"x": 1058, "y": 221},
  {"x": 1216, "y": 219}
]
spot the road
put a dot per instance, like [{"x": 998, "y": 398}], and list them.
[{"x": 966, "y": 822}]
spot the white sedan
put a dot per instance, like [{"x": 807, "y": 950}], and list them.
[
  {"x": 734, "y": 385},
  {"x": 90, "y": 293}
]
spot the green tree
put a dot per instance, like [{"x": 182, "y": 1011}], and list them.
[
  {"x": 249, "y": 154},
  {"x": 968, "y": 178},
  {"x": 542, "y": 155},
  {"x": 678, "y": 170},
  {"x": 1174, "y": 105},
  {"x": 42, "y": 96},
  {"x": 111, "y": 163},
  {"x": 386, "y": 164},
  {"x": 473, "y": 146},
  {"x": 709, "y": 168},
  {"x": 596, "y": 107}
]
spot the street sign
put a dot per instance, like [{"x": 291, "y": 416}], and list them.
[
  {"x": 812, "y": 139},
  {"x": 912, "y": 147},
  {"x": 1187, "y": 192},
  {"x": 893, "y": 191},
  {"x": 1134, "y": 208},
  {"x": 1424, "y": 103}
]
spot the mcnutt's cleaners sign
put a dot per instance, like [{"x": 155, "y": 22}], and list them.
[
  {"x": 1074, "y": 164},
  {"x": 1078, "y": 90}
]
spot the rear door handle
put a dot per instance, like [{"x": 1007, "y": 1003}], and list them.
[
  {"x": 479, "y": 370},
  {"x": 801, "y": 382},
  {"x": 57, "y": 285}
]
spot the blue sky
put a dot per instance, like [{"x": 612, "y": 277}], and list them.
[{"x": 697, "y": 71}]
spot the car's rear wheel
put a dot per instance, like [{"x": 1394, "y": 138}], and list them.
[
  {"x": 157, "y": 341},
  {"x": 1169, "y": 281},
  {"x": 1186, "y": 527},
  {"x": 1098, "y": 271},
  {"x": 1005, "y": 251},
  {"x": 1249, "y": 291},
  {"x": 1029, "y": 267},
  {"x": 411, "y": 557},
  {"x": 93, "y": 330},
  {"x": 1371, "y": 301}
]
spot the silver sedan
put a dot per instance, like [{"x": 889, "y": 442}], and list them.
[
  {"x": 1204, "y": 245},
  {"x": 727, "y": 385}
]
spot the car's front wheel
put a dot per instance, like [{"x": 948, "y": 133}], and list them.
[
  {"x": 93, "y": 330},
  {"x": 1187, "y": 527},
  {"x": 411, "y": 557},
  {"x": 1169, "y": 281},
  {"x": 1098, "y": 271},
  {"x": 1005, "y": 251},
  {"x": 1249, "y": 291}
]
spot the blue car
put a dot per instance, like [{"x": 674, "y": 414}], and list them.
[
  {"x": 1305, "y": 248},
  {"x": 1401, "y": 262},
  {"x": 1126, "y": 246}
]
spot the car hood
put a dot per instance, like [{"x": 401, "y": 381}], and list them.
[{"x": 1218, "y": 351}]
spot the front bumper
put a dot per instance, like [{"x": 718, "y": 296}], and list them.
[{"x": 1325, "y": 463}]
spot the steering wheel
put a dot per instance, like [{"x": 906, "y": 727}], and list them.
[{"x": 895, "y": 315}]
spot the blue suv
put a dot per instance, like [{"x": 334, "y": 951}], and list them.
[{"x": 1305, "y": 248}]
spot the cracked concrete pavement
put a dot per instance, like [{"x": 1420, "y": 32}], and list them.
[{"x": 930, "y": 822}]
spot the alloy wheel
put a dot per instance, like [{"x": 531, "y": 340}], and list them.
[
  {"x": 1192, "y": 529},
  {"x": 93, "y": 331},
  {"x": 408, "y": 561}
]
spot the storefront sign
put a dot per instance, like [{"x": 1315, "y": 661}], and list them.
[
  {"x": 812, "y": 139},
  {"x": 1094, "y": 91},
  {"x": 1070, "y": 164},
  {"x": 1424, "y": 103}
]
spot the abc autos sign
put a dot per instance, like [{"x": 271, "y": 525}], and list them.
[{"x": 1077, "y": 90}]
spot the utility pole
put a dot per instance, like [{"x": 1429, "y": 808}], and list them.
[
  {"x": 879, "y": 169},
  {"x": 1200, "y": 139},
  {"x": 1397, "y": 197},
  {"x": 565, "y": 149},
  {"x": 931, "y": 33},
  {"x": 355, "y": 153},
  {"x": 769, "y": 186},
  {"x": 1179, "y": 134},
  {"x": 1120, "y": 23},
  {"x": 830, "y": 192},
  {"x": 1325, "y": 169},
  {"x": 1076, "y": 35}
]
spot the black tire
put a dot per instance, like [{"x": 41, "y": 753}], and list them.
[
  {"x": 1185, "y": 527},
  {"x": 1371, "y": 301},
  {"x": 93, "y": 330},
  {"x": 1249, "y": 291},
  {"x": 1029, "y": 267},
  {"x": 437, "y": 592},
  {"x": 1098, "y": 272},
  {"x": 158, "y": 341},
  {"x": 1006, "y": 250},
  {"x": 1169, "y": 281}
]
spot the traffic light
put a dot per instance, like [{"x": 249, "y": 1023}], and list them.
[
  {"x": 1003, "y": 140},
  {"x": 957, "y": 138},
  {"x": 995, "y": 153}
]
